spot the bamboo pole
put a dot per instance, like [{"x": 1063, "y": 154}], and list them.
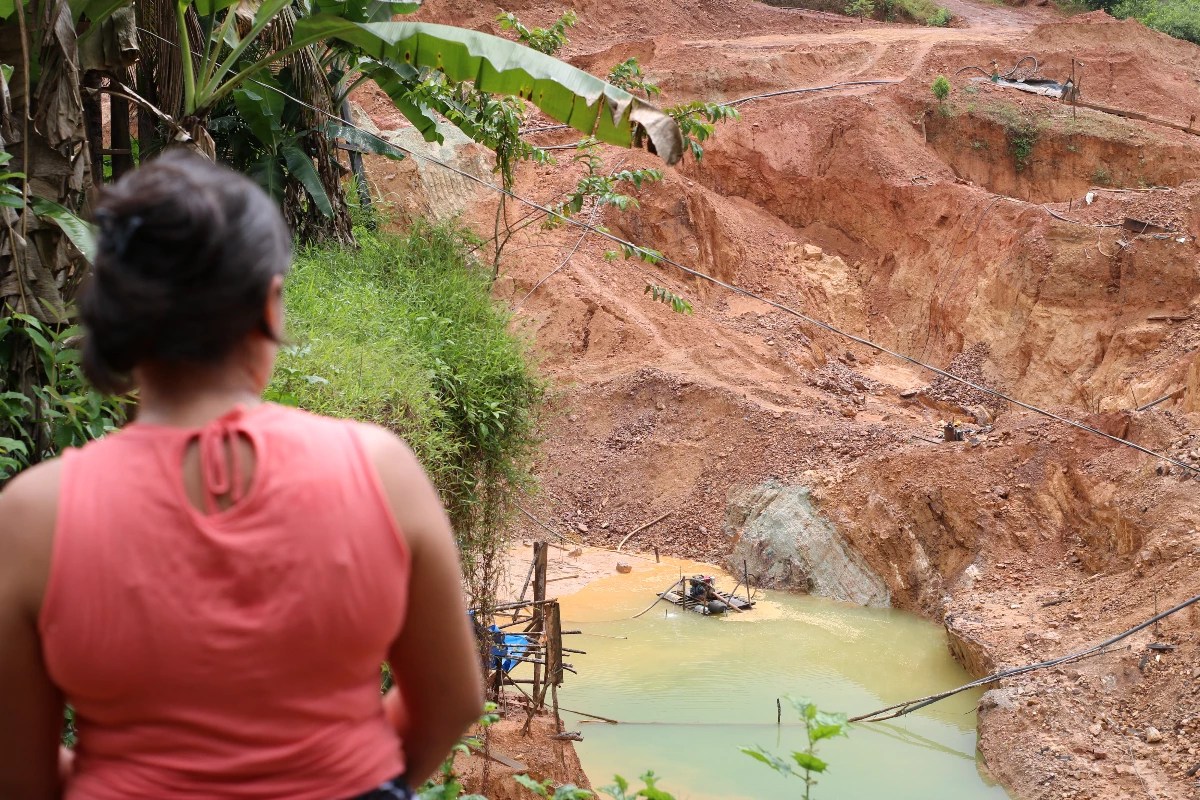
[
  {"x": 660, "y": 597},
  {"x": 907, "y": 707}
]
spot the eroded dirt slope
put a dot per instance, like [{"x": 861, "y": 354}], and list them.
[{"x": 924, "y": 228}]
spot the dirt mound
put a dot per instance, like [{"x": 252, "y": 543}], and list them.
[{"x": 1126, "y": 64}]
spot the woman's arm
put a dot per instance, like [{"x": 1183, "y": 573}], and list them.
[
  {"x": 435, "y": 659},
  {"x": 31, "y": 708}
]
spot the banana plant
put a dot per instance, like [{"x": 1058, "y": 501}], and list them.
[{"x": 231, "y": 51}]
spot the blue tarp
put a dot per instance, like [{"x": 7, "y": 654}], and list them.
[
  {"x": 514, "y": 644},
  {"x": 506, "y": 647}
]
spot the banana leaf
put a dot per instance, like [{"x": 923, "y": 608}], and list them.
[
  {"x": 360, "y": 140},
  {"x": 81, "y": 234},
  {"x": 499, "y": 66},
  {"x": 300, "y": 164}
]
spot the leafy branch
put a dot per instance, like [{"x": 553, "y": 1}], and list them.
[
  {"x": 660, "y": 294},
  {"x": 804, "y": 764},
  {"x": 544, "y": 40},
  {"x": 597, "y": 188},
  {"x": 698, "y": 120},
  {"x": 628, "y": 75}
]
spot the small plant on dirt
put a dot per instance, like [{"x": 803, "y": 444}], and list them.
[
  {"x": 860, "y": 8},
  {"x": 598, "y": 189},
  {"x": 804, "y": 764},
  {"x": 628, "y": 75},
  {"x": 1020, "y": 130},
  {"x": 1021, "y": 140},
  {"x": 941, "y": 88},
  {"x": 1101, "y": 176},
  {"x": 544, "y": 40},
  {"x": 445, "y": 785}
]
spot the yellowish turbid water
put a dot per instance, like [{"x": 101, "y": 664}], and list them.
[{"x": 696, "y": 688}]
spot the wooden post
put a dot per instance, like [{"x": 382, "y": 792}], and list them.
[
  {"x": 554, "y": 665},
  {"x": 540, "y": 555},
  {"x": 120, "y": 138}
]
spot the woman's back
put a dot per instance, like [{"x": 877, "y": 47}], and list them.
[
  {"x": 229, "y": 652},
  {"x": 215, "y": 587}
]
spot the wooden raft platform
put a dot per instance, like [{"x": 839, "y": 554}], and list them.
[{"x": 738, "y": 603}]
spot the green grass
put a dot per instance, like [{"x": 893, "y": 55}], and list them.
[
  {"x": 1021, "y": 131},
  {"x": 925, "y": 11},
  {"x": 404, "y": 332}
]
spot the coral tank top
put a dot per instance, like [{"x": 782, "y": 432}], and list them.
[{"x": 233, "y": 654}]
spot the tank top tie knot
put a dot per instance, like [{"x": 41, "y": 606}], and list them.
[{"x": 220, "y": 467}]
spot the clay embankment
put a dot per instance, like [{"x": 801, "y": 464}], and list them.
[{"x": 876, "y": 210}]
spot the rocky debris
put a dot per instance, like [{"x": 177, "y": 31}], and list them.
[{"x": 968, "y": 364}]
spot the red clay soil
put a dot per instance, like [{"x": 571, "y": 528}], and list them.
[
  {"x": 920, "y": 227},
  {"x": 508, "y": 752}
]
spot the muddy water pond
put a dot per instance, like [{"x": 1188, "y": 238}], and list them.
[{"x": 696, "y": 688}]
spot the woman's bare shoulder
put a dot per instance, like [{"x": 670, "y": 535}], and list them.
[{"x": 28, "y": 508}]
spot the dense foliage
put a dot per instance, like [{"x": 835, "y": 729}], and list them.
[
  {"x": 51, "y": 406},
  {"x": 403, "y": 332},
  {"x": 1178, "y": 18}
]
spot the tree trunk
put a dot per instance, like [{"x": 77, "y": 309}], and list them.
[
  {"x": 40, "y": 270},
  {"x": 42, "y": 127}
]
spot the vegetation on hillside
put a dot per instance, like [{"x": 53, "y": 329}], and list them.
[
  {"x": 403, "y": 332},
  {"x": 1178, "y": 18}
]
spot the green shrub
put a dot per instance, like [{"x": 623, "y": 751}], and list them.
[
  {"x": 940, "y": 18},
  {"x": 941, "y": 88},
  {"x": 58, "y": 407},
  {"x": 403, "y": 332},
  {"x": 924, "y": 11},
  {"x": 860, "y": 8}
]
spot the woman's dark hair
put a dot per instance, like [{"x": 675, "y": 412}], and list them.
[{"x": 185, "y": 257}]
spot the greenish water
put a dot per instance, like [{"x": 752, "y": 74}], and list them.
[{"x": 705, "y": 686}]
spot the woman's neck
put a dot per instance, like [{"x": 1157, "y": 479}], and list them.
[{"x": 192, "y": 397}]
